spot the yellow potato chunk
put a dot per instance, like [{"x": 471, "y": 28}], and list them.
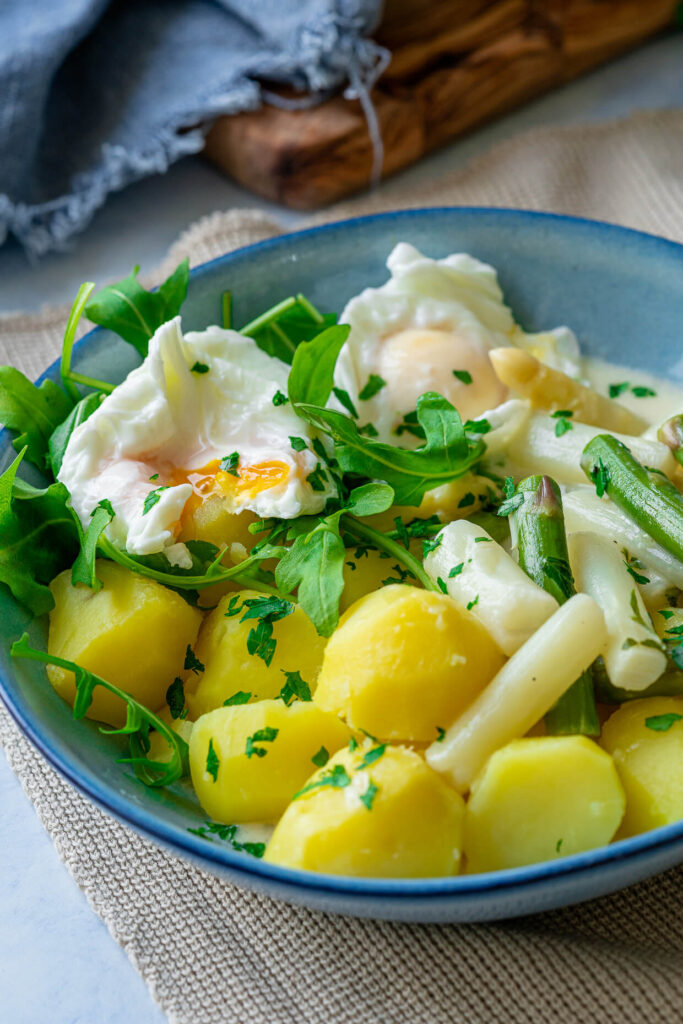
[
  {"x": 228, "y": 665},
  {"x": 540, "y": 798},
  {"x": 364, "y": 574},
  {"x": 133, "y": 632},
  {"x": 386, "y": 816},
  {"x": 212, "y": 521},
  {"x": 404, "y": 663},
  {"x": 645, "y": 738},
  {"x": 248, "y": 761}
]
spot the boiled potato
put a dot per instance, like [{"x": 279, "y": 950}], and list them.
[
  {"x": 133, "y": 632},
  {"x": 540, "y": 798},
  {"x": 228, "y": 665},
  {"x": 374, "y": 813},
  {"x": 248, "y": 761},
  {"x": 645, "y": 738},
  {"x": 364, "y": 574},
  {"x": 404, "y": 663},
  {"x": 211, "y": 520}
]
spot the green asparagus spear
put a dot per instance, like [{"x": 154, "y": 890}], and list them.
[
  {"x": 648, "y": 498},
  {"x": 538, "y": 523},
  {"x": 668, "y": 685}
]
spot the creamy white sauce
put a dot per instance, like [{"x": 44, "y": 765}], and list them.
[{"x": 667, "y": 401}]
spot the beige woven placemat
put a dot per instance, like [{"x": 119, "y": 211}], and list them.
[{"x": 214, "y": 955}]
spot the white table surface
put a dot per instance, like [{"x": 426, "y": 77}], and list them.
[{"x": 59, "y": 964}]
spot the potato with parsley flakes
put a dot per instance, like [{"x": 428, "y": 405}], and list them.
[
  {"x": 404, "y": 663},
  {"x": 246, "y": 643},
  {"x": 540, "y": 798},
  {"x": 645, "y": 738},
  {"x": 364, "y": 571},
  {"x": 374, "y": 812},
  {"x": 248, "y": 760},
  {"x": 133, "y": 632}
]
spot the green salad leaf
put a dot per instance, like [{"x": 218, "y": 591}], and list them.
[
  {"x": 83, "y": 569},
  {"x": 139, "y": 720},
  {"x": 59, "y": 438},
  {"x": 34, "y": 412},
  {"x": 312, "y": 375},
  {"x": 38, "y": 538},
  {"x": 282, "y": 328},
  {"x": 134, "y": 313}
]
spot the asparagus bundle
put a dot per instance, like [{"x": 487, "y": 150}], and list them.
[{"x": 538, "y": 524}]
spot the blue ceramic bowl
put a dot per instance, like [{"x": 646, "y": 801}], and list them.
[{"x": 621, "y": 291}]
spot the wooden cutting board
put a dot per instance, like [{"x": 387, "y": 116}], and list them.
[{"x": 455, "y": 64}]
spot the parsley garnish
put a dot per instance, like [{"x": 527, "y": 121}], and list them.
[
  {"x": 279, "y": 398},
  {"x": 468, "y": 499},
  {"x": 631, "y": 564},
  {"x": 431, "y": 544},
  {"x": 372, "y": 756},
  {"x": 478, "y": 426},
  {"x": 482, "y": 540},
  {"x": 511, "y": 501},
  {"x": 230, "y": 463},
  {"x": 440, "y": 733},
  {"x": 212, "y": 762},
  {"x": 617, "y": 389},
  {"x": 321, "y": 758},
  {"x": 345, "y": 399},
  {"x": 151, "y": 499},
  {"x": 410, "y": 425},
  {"x": 334, "y": 778},
  {"x": 265, "y": 735},
  {"x": 175, "y": 698},
  {"x": 562, "y": 426},
  {"x": 369, "y": 795},
  {"x": 267, "y": 610},
  {"x": 154, "y": 476},
  {"x": 463, "y": 375},
  {"x": 456, "y": 570},
  {"x": 227, "y": 833},
  {"x": 471, "y": 604},
  {"x": 199, "y": 368},
  {"x": 374, "y": 384},
  {"x": 666, "y": 613},
  {"x": 600, "y": 477},
  {"x": 558, "y": 845},
  {"x": 298, "y": 443},
  {"x": 295, "y": 688},
  {"x": 353, "y": 743},
  {"x": 441, "y": 583},
  {"x": 369, "y": 430},
  {"x": 241, "y": 697},
  {"x": 192, "y": 662},
  {"x": 662, "y": 723},
  {"x": 641, "y": 392},
  {"x": 317, "y": 478}
]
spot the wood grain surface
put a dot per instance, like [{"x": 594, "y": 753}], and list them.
[{"x": 455, "y": 65}]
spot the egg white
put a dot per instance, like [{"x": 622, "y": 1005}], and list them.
[
  {"x": 166, "y": 419},
  {"x": 433, "y": 317}
]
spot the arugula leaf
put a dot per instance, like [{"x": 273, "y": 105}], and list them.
[
  {"x": 38, "y": 538},
  {"x": 369, "y": 499},
  {"x": 59, "y": 438},
  {"x": 139, "y": 720},
  {"x": 132, "y": 312},
  {"x": 284, "y": 326},
  {"x": 83, "y": 569},
  {"x": 33, "y": 412},
  {"x": 312, "y": 375},
  {"x": 446, "y": 454},
  {"x": 315, "y": 564}
]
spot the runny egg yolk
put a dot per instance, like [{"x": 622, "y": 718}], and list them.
[
  {"x": 244, "y": 483},
  {"x": 418, "y": 359}
]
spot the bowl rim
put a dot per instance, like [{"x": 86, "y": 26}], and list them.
[{"x": 252, "y": 869}]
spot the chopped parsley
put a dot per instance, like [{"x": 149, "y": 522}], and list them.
[
  {"x": 321, "y": 758},
  {"x": 372, "y": 755},
  {"x": 295, "y": 688},
  {"x": 562, "y": 426},
  {"x": 212, "y": 829},
  {"x": 265, "y": 735},
  {"x": 471, "y": 604},
  {"x": 279, "y": 398},
  {"x": 632, "y": 564},
  {"x": 241, "y": 697},
  {"x": 152, "y": 499},
  {"x": 441, "y": 583},
  {"x": 344, "y": 399},
  {"x": 600, "y": 477},
  {"x": 558, "y": 845},
  {"x": 478, "y": 426},
  {"x": 298, "y": 443},
  {"x": 483, "y": 540},
  {"x": 317, "y": 478},
  {"x": 333, "y": 778},
  {"x": 369, "y": 430},
  {"x": 375, "y": 383},
  {"x": 369, "y": 795},
  {"x": 666, "y": 613},
  {"x": 463, "y": 376},
  {"x": 175, "y": 698},
  {"x": 353, "y": 743},
  {"x": 212, "y": 762},
  {"x": 267, "y": 610},
  {"x": 641, "y": 392},
  {"x": 154, "y": 476},
  {"x": 192, "y": 662},
  {"x": 440, "y": 733},
  {"x": 467, "y": 500},
  {"x": 431, "y": 544},
  {"x": 456, "y": 570},
  {"x": 662, "y": 723},
  {"x": 511, "y": 500},
  {"x": 230, "y": 463},
  {"x": 199, "y": 368},
  {"x": 615, "y": 390},
  {"x": 410, "y": 425}
]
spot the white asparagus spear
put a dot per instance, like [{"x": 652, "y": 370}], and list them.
[
  {"x": 633, "y": 657},
  {"x": 490, "y": 584},
  {"x": 535, "y": 448},
  {"x": 583, "y": 510},
  {"x": 524, "y": 689}
]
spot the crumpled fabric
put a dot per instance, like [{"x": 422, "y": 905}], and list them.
[{"x": 95, "y": 94}]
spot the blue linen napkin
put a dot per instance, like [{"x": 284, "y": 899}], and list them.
[{"x": 95, "y": 94}]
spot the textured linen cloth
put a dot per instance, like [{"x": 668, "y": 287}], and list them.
[
  {"x": 97, "y": 93},
  {"x": 212, "y": 954}
]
